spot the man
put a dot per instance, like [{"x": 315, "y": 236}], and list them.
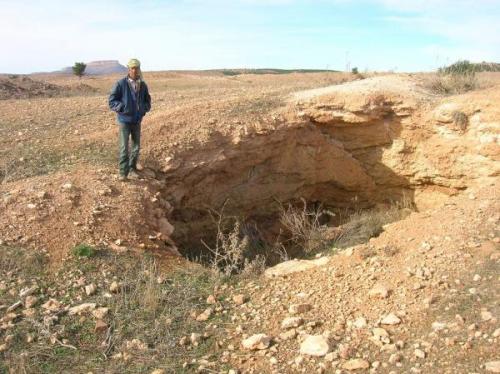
[{"x": 130, "y": 99}]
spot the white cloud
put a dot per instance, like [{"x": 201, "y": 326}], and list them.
[{"x": 469, "y": 29}]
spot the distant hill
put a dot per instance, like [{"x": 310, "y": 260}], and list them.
[
  {"x": 270, "y": 71},
  {"x": 100, "y": 68}
]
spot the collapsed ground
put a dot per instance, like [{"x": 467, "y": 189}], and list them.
[{"x": 249, "y": 143}]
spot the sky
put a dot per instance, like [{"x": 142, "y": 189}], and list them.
[{"x": 412, "y": 35}]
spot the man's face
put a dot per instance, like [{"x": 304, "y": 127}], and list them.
[{"x": 134, "y": 72}]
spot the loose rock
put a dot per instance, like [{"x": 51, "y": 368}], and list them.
[
  {"x": 291, "y": 322},
  {"x": 315, "y": 345},
  {"x": 356, "y": 364},
  {"x": 391, "y": 319},
  {"x": 257, "y": 342}
]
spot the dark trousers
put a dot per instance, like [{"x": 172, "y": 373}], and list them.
[{"x": 129, "y": 161}]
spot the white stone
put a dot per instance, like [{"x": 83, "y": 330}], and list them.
[
  {"x": 207, "y": 313},
  {"x": 419, "y": 353},
  {"x": 299, "y": 308},
  {"x": 52, "y": 305},
  {"x": 195, "y": 338},
  {"x": 30, "y": 301},
  {"x": 391, "y": 319},
  {"x": 291, "y": 322},
  {"x": 379, "y": 291},
  {"x": 257, "y": 342},
  {"x": 486, "y": 315},
  {"x": 287, "y": 335},
  {"x": 492, "y": 366},
  {"x": 437, "y": 326},
  {"x": 315, "y": 345},
  {"x": 380, "y": 333},
  {"x": 356, "y": 364},
  {"x": 100, "y": 313},
  {"x": 360, "y": 323},
  {"x": 293, "y": 266},
  {"x": 114, "y": 287},
  {"x": 85, "y": 307},
  {"x": 90, "y": 289}
]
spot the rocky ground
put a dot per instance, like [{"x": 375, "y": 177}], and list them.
[
  {"x": 91, "y": 277},
  {"x": 425, "y": 301}
]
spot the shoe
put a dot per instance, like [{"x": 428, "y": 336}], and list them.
[
  {"x": 133, "y": 174},
  {"x": 122, "y": 178}
]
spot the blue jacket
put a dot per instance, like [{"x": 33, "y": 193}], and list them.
[{"x": 122, "y": 101}]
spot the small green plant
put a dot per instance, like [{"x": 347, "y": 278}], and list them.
[
  {"x": 83, "y": 250},
  {"x": 355, "y": 70},
  {"x": 79, "y": 69}
]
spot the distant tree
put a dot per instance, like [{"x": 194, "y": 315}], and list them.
[
  {"x": 79, "y": 69},
  {"x": 355, "y": 70}
]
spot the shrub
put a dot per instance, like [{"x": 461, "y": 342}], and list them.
[
  {"x": 355, "y": 70},
  {"x": 457, "y": 78},
  {"x": 362, "y": 225},
  {"x": 461, "y": 67},
  {"x": 460, "y": 120},
  {"x": 232, "y": 252},
  {"x": 83, "y": 250},
  {"x": 303, "y": 226}
]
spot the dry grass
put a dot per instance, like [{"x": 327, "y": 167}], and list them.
[
  {"x": 362, "y": 225},
  {"x": 303, "y": 228},
  {"x": 452, "y": 84},
  {"x": 232, "y": 253},
  {"x": 152, "y": 307}
]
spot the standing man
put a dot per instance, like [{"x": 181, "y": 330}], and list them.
[{"x": 130, "y": 99}]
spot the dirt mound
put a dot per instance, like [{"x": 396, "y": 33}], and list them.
[{"x": 23, "y": 87}]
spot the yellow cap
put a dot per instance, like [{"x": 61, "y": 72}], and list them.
[{"x": 134, "y": 63}]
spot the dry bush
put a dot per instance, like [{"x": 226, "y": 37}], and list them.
[
  {"x": 362, "y": 225},
  {"x": 232, "y": 250},
  {"x": 253, "y": 267},
  {"x": 228, "y": 255},
  {"x": 460, "y": 120},
  {"x": 303, "y": 226},
  {"x": 452, "y": 84}
]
